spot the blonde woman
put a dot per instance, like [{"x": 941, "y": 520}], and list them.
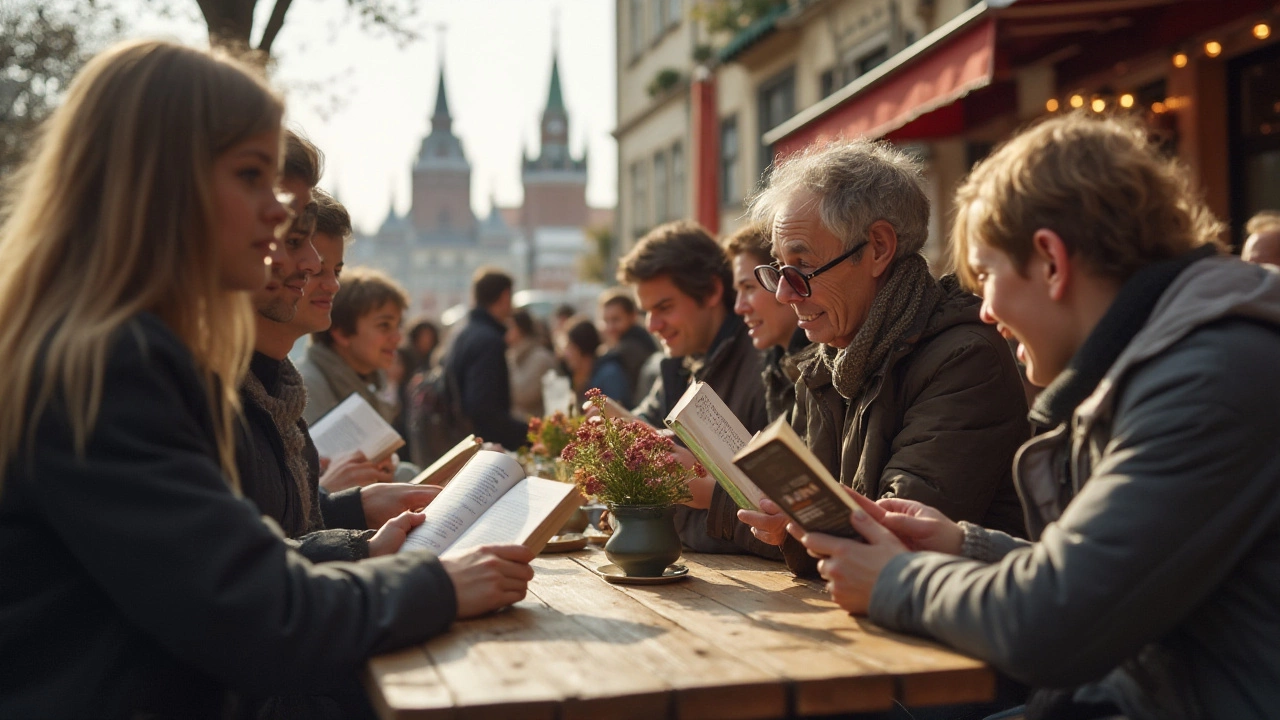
[{"x": 135, "y": 582}]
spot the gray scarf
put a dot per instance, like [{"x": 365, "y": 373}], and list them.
[
  {"x": 286, "y": 412},
  {"x": 343, "y": 380},
  {"x": 909, "y": 288}
]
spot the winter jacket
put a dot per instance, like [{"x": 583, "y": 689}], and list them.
[
  {"x": 780, "y": 374},
  {"x": 938, "y": 423},
  {"x": 634, "y": 348},
  {"x": 526, "y": 364},
  {"x": 478, "y": 359},
  {"x": 137, "y": 584},
  {"x": 330, "y": 380},
  {"x": 1154, "y": 582}
]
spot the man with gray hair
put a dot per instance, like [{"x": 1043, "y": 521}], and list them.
[{"x": 905, "y": 392}]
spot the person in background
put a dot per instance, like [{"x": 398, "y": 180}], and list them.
[
  {"x": 907, "y": 393},
  {"x": 624, "y": 338},
  {"x": 1262, "y": 246},
  {"x": 477, "y": 361},
  {"x": 131, "y": 240},
  {"x": 559, "y": 321},
  {"x": 683, "y": 283},
  {"x": 355, "y": 352},
  {"x": 588, "y": 369},
  {"x": 528, "y": 359},
  {"x": 1151, "y": 585},
  {"x": 421, "y": 341},
  {"x": 771, "y": 325}
]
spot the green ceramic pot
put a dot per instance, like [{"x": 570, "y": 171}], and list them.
[{"x": 644, "y": 540}]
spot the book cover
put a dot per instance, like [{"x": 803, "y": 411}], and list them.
[{"x": 714, "y": 434}]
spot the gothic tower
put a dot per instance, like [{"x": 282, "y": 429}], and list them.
[{"x": 442, "y": 176}]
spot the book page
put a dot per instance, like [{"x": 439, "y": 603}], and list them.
[
  {"x": 354, "y": 425},
  {"x": 714, "y": 434},
  {"x": 475, "y": 488},
  {"x": 516, "y": 516}
]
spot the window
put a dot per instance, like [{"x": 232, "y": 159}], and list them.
[
  {"x": 660, "y": 198},
  {"x": 639, "y": 198},
  {"x": 730, "y": 183},
  {"x": 827, "y": 82},
  {"x": 777, "y": 102},
  {"x": 674, "y": 11},
  {"x": 658, "y": 10},
  {"x": 868, "y": 62},
  {"x": 677, "y": 206},
  {"x": 636, "y": 33}
]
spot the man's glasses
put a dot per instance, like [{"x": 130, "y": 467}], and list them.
[{"x": 768, "y": 275}]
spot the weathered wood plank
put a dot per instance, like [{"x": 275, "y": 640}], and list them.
[{"x": 404, "y": 684}]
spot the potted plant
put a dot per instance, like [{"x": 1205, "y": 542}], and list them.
[
  {"x": 629, "y": 467},
  {"x": 548, "y": 437}
]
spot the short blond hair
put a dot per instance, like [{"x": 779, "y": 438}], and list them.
[
  {"x": 1266, "y": 221},
  {"x": 1101, "y": 184}
]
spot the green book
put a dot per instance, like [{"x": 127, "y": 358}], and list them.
[{"x": 713, "y": 434}]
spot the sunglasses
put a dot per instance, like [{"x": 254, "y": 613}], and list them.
[{"x": 768, "y": 275}]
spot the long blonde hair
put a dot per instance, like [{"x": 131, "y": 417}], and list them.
[{"x": 111, "y": 216}]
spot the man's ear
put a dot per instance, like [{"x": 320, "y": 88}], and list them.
[
  {"x": 340, "y": 338},
  {"x": 1055, "y": 262},
  {"x": 882, "y": 246},
  {"x": 717, "y": 294}
]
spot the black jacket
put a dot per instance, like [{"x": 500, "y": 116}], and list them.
[
  {"x": 135, "y": 582},
  {"x": 265, "y": 479},
  {"x": 479, "y": 361},
  {"x": 634, "y": 348}
]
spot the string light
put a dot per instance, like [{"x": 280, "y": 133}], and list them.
[
  {"x": 1051, "y": 105},
  {"x": 1180, "y": 60},
  {"x": 1126, "y": 100},
  {"x": 1213, "y": 48},
  {"x": 1098, "y": 105},
  {"x": 1077, "y": 101},
  {"x": 1262, "y": 31}
]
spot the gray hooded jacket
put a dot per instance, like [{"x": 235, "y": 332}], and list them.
[{"x": 1158, "y": 586}]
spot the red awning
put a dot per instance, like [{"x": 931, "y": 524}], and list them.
[{"x": 956, "y": 64}]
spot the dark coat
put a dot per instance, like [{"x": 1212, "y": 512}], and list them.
[
  {"x": 137, "y": 584},
  {"x": 780, "y": 374},
  {"x": 634, "y": 347},
  {"x": 265, "y": 479},
  {"x": 732, "y": 368},
  {"x": 939, "y": 422},
  {"x": 479, "y": 362}
]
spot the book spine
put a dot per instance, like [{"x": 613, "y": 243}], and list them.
[{"x": 738, "y": 496}]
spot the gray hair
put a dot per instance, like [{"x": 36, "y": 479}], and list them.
[{"x": 855, "y": 183}]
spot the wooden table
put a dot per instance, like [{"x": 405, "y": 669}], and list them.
[{"x": 740, "y": 638}]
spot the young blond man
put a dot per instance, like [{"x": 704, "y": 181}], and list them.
[{"x": 1151, "y": 582}]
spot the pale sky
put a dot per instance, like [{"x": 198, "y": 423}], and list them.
[{"x": 497, "y": 69}]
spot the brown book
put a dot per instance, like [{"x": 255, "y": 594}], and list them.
[
  {"x": 442, "y": 471},
  {"x": 780, "y": 464},
  {"x": 491, "y": 501}
]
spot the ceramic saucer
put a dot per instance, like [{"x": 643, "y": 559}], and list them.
[
  {"x": 565, "y": 543},
  {"x": 614, "y": 574}
]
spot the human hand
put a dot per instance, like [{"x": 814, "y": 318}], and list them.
[
  {"x": 701, "y": 485},
  {"x": 354, "y": 470},
  {"x": 921, "y": 527},
  {"x": 851, "y": 567},
  {"x": 391, "y": 535},
  {"x": 384, "y": 501},
  {"x": 489, "y": 577},
  {"x": 769, "y": 525}
]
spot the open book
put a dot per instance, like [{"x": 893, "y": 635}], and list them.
[
  {"x": 490, "y": 501},
  {"x": 780, "y": 464},
  {"x": 355, "y": 425},
  {"x": 714, "y": 434},
  {"x": 442, "y": 470}
]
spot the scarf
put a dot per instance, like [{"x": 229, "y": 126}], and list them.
[
  {"x": 344, "y": 381},
  {"x": 286, "y": 413},
  {"x": 909, "y": 289},
  {"x": 1127, "y": 315}
]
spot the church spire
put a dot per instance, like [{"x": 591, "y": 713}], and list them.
[
  {"x": 555, "y": 101},
  {"x": 440, "y": 119}
]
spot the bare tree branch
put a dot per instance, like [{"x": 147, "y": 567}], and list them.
[{"x": 274, "y": 23}]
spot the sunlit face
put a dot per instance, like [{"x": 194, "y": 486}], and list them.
[
  {"x": 683, "y": 325},
  {"x": 317, "y": 299},
  {"x": 614, "y": 321},
  {"x": 769, "y": 322},
  {"x": 293, "y": 263},
  {"x": 373, "y": 346},
  {"x": 1019, "y": 305},
  {"x": 247, "y": 212},
  {"x": 841, "y": 297}
]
